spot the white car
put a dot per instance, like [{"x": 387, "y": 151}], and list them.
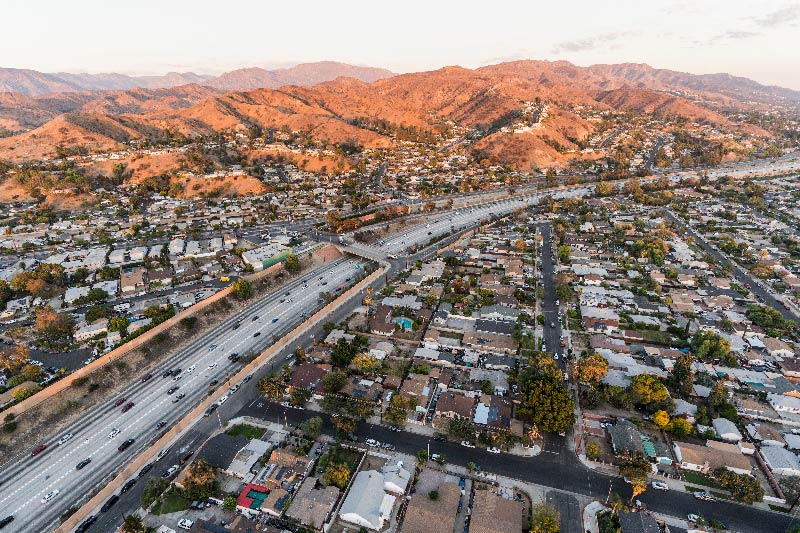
[
  {"x": 493, "y": 450},
  {"x": 185, "y": 523},
  {"x": 467, "y": 444},
  {"x": 222, "y": 400},
  {"x": 660, "y": 485},
  {"x": 50, "y": 495},
  {"x": 212, "y": 365},
  {"x": 114, "y": 433},
  {"x": 65, "y": 438},
  {"x": 177, "y": 378},
  {"x": 191, "y": 369},
  {"x": 372, "y": 442},
  {"x": 693, "y": 517}
]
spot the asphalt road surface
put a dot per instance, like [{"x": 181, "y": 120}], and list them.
[
  {"x": 552, "y": 324},
  {"x": 26, "y": 479}
]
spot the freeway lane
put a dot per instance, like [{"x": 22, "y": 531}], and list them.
[
  {"x": 557, "y": 468},
  {"x": 29, "y": 478}
]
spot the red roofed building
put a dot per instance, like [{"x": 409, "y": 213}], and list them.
[{"x": 251, "y": 498}]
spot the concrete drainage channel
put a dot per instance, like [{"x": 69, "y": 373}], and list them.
[{"x": 196, "y": 414}]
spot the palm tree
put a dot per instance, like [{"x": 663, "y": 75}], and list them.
[{"x": 134, "y": 524}]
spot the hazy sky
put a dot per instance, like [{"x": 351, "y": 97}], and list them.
[{"x": 757, "y": 39}]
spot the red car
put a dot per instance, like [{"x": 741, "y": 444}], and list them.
[
  {"x": 39, "y": 449},
  {"x": 127, "y": 407},
  {"x": 119, "y": 402}
]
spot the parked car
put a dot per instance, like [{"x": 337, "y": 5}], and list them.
[
  {"x": 372, "y": 442},
  {"x": 170, "y": 471},
  {"x": 467, "y": 444},
  {"x": 127, "y": 486},
  {"x": 109, "y": 503},
  {"x": 660, "y": 485},
  {"x": 185, "y": 523},
  {"x": 493, "y": 450}
]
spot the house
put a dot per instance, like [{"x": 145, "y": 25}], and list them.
[
  {"x": 91, "y": 331},
  {"x": 395, "y": 478},
  {"x": 625, "y": 438},
  {"x": 706, "y": 459},
  {"x": 493, "y": 411},
  {"x": 637, "y": 523},
  {"x": 494, "y": 514},
  {"x": 422, "y": 511},
  {"x": 780, "y": 461},
  {"x": 777, "y": 348},
  {"x": 313, "y": 504},
  {"x": 726, "y": 430},
  {"x": 765, "y": 435},
  {"x": 784, "y": 404},
  {"x": 366, "y": 504},
  {"x": 454, "y": 405},
  {"x": 133, "y": 280},
  {"x": 309, "y": 376},
  {"x": 247, "y": 457},
  {"x": 497, "y": 378},
  {"x": 251, "y": 498}
]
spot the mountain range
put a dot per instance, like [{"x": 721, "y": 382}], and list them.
[
  {"x": 484, "y": 100},
  {"x": 34, "y": 83}
]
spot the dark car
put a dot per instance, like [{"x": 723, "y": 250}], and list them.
[
  {"x": 236, "y": 326},
  {"x": 109, "y": 503},
  {"x": 128, "y": 407},
  {"x": 39, "y": 449},
  {"x": 126, "y": 444},
  {"x": 86, "y": 524},
  {"x": 119, "y": 402},
  {"x": 145, "y": 469},
  {"x": 166, "y": 374},
  {"x": 213, "y": 382},
  {"x": 173, "y": 389},
  {"x": 146, "y": 377},
  {"x": 234, "y": 357},
  {"x": 127, "y": 486},
  {"x": 176, "y": 371},
  {"x": 255, "y": 318},
  {"x": 83, "y": 463},
  {"x": 210, "y": 409},
  {"x": 256, "y": 334},
  {"x": 5, "y": 521},
  {"x": 186, "y": 457},
  {"x": 161, "y": 424},
  {"x": 439, "y": 438}
]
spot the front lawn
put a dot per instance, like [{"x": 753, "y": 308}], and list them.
[
  {"x": 172, "y": 502},
  {"x": 700, "y": 479},
  {"x": 251, "y": 432}
]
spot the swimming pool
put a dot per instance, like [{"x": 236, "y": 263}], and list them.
[{"x": 404, "y": 323}]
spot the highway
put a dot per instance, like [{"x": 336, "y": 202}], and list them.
[{"x": 27, "y": 479}]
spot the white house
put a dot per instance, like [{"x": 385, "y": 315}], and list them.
[
  {"x": 726, "y": 430},
  {"x": 367, "y": 505}
]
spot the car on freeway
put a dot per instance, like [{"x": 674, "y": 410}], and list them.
[
  {"x": 39, "y": 449},
  {"x": 660, "y": 485},
  {"x": 172, "y": 389},
  {"x": 178, "y": 398},
  {"x": 191, "y": 369},
  {"x": 109, "y": 503},
  {"x": 176, "y": 379},
  {"x": 128, "y": 407},
  {"x": 212, "y": 365},
  {"x": 125, "y": 445},
  {"x": 119, "y": 401},
  {"x": 5, "y": 521},
  {"x": 50, "y": 495},
  {"x": 65, "y": 438},
  {"x": 166, "y": 374},
  {"x": 213, "y": 382},
  {"x": 493, "y": 450},
  {"x": 467, "y": 444},
  {"x": 161, "y": 424},
  {"x": 83, "y": 463},
  {"x": 233, "y": 356},
  {"x": 210, "y": 348},
  {"x": 170, "y": 471},
  {"x": 236, "y": 326},
  {"x": 256, "y": 334},
  {"x": 114, "y": 433},
  {"x": 274, "y": 320},
  {"x": 255, "y": 318}
]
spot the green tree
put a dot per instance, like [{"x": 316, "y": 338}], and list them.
[
  {"x": 133, "y": 524},
  {"x": 422, "y": 456},
  {"x": 648, "y": 391},
  {"x": 343, "y": 353},
  {"x": 312, "y": 428},
  {"x": 118, "y": 324},
  {"x": 635, "y": 468},
  {"x": 299, "y": 396},
  {"x": 334, "y": 380},
  {"x": 242, "y": 289},
  {"x": 743, "y": 488},
  {"x": 272, "y": 387},
  {"x": 229, "y": 504},
  {"x": 681, "y": 377},
  {"x": 593, "y": 450},
  {"x": 200, "y": 480},
  {"x": 367, "y": 364},
  {"x": 545, "y": 519},
  {"x": 547, "y": 403},
  {"x": 707, "y": 346},
  {"x": 397, "y": 411},
  {"x": 336, "y": 474},
  {"x": 661, "y": 418},
  {"x": 292, "y": 263},
  {"x": 680, "y": 427},
  {"x": 563, "y": 253},
  {"x": 96, "y": 312}
]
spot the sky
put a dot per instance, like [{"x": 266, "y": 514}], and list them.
[{"x": 755, "y": 39}]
